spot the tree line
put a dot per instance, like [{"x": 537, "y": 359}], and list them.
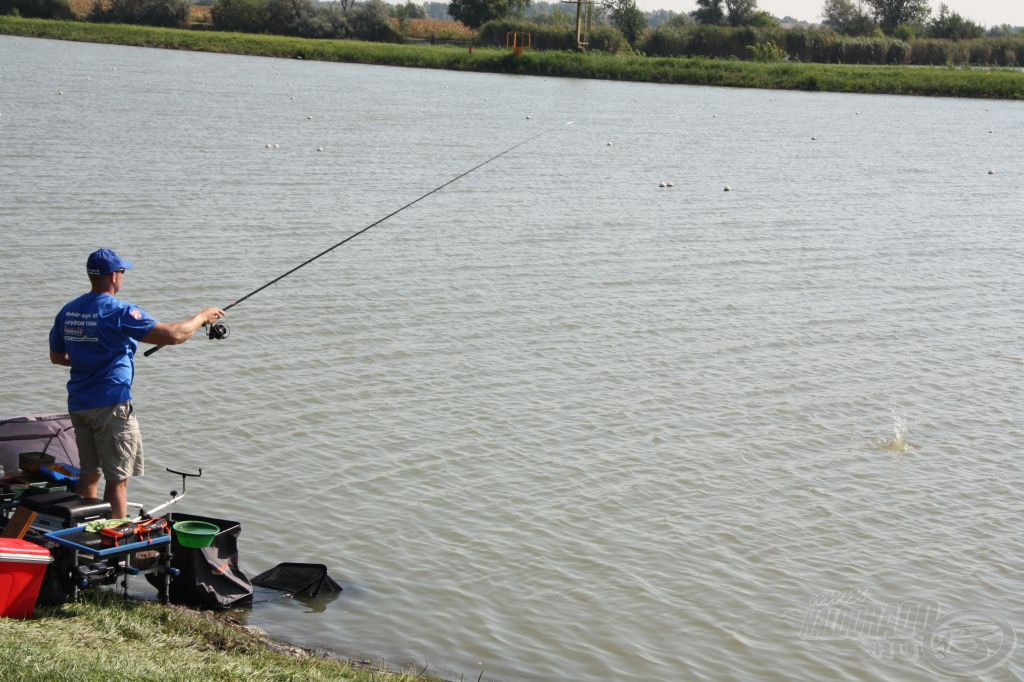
[
  {"x": 904, "y": 19},
  {"x": 852, "y": 31}
]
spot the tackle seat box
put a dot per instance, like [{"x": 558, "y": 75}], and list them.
[
  {"x": 65, "y": 510},
  {"x": 22, "y": 567}
]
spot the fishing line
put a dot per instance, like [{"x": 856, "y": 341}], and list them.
[{"x": 220, "y": 330}]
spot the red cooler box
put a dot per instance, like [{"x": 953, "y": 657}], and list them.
[{"x": 22, "y": 566}]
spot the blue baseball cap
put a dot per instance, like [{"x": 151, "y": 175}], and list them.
[{"x": 104, "y": 262}]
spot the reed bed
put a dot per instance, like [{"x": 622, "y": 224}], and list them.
[
  {"x": 199, "y": 14},
  {"x": 439, "y": 29},
  {"x": 821, "y": 46},
  {"x": 992, "y": 83}
]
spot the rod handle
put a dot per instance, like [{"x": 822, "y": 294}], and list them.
[{"x": 152, "y": 350}]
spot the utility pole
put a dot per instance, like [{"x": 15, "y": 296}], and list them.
[{"x": 584, "y": 17}]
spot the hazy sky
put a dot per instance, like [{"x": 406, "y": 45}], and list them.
[{"x": 985, "y": 12}]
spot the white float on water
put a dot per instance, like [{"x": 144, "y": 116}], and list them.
[
  {"x": 727, "y": 189},
  {"x": 277, "y": 146},
  {"x": 991, "y": 172},
  {"x": 661, "y": 184},
  {"x": 670, "y": 184},
  {"x": 319, "y": 149}
]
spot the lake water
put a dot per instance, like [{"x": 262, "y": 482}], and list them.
[{"x": 556, "y": 422}]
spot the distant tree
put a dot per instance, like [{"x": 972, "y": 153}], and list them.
[
  {"x": 741, "y": 12},
  {"x": 542, "y": 8},
  {"x": 166, "y": 13},
  {"x": 437, "y": 10},
  {"x": 243, "y": 16},
  {"x": 627, "y": 17},
  {"x": 763, "y": 19},
  {"x": 767, "y": 51},
  {"x": 680, "y": 20},
  {"x": 847, "y": 17},
  {"x": 953, "y": 26},
  {"x": 667, "y": 17},
  {"x": 906, "y": 32},
  {"x": 286, "y": 17},
  {"x": 1000, "y": 31},
  {"x": 330, "y": 20},
  {"x": 891, "y": 13},
  {"x": 38, "y": 9},
  {"x": 475, "y": 13},
  {"x": 409, "y": 10},
  {"x": 560, "y": 18},
  {"x": 306, "y": 18},
  {"x": 552, "y": 15},
  {"x": 370, "y": 22},
  {"x": 709, "y": 12}
]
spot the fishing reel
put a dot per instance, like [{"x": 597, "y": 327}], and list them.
[{"x": 217, "y": 330}]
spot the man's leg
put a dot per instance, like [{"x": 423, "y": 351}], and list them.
[
  {"x": 88, "y": 455},
  {"x": 116, "y": 493},
  {"x": 88, "y": 485},
  {"x": 120, "y": 445}
]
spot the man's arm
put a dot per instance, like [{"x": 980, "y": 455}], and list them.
[
  {"x": 60, "y": 359},
  {"x": 172, "y": 334}
]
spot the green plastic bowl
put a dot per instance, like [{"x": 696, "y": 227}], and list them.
[{"x": 195, "y": 534}]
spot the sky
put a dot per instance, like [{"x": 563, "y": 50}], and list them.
[{"x": 984, "y": 12}]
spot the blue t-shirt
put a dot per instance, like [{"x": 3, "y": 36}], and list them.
[{"x": 100, "y": 334}]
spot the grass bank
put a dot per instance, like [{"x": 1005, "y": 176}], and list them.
[
  {"x": 104, "y": 637},
  {"x": 893, "y": 80}
]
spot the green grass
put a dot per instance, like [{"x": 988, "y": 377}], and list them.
[
  {"x": 104, "y": 637},
  {"x": 894, "y": 80}
]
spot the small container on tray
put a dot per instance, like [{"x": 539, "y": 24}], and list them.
[
  {"x": 63, "y": 474},
  {"x": 31, "y": 461}
]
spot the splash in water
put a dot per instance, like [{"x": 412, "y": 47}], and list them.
[{"x": 898, "y": 443}]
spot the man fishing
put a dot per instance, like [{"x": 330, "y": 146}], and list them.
[{"x": 96, "y": 335}]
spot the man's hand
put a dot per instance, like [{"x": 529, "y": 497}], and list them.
[
  {"x": 179, "y": 332},
  {"x": 60, "y": 359},
  {"x": 211, "y": 315}
]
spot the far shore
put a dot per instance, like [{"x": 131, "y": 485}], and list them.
[{"x": 987, "y": 83}]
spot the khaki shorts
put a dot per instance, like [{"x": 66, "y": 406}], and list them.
[{"x": 109, "y": 440}]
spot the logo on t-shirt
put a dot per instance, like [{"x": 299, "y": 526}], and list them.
[{"x": 136, "y": 313}]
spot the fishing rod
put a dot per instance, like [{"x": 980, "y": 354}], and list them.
[{"x": 219, "y": 330}]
